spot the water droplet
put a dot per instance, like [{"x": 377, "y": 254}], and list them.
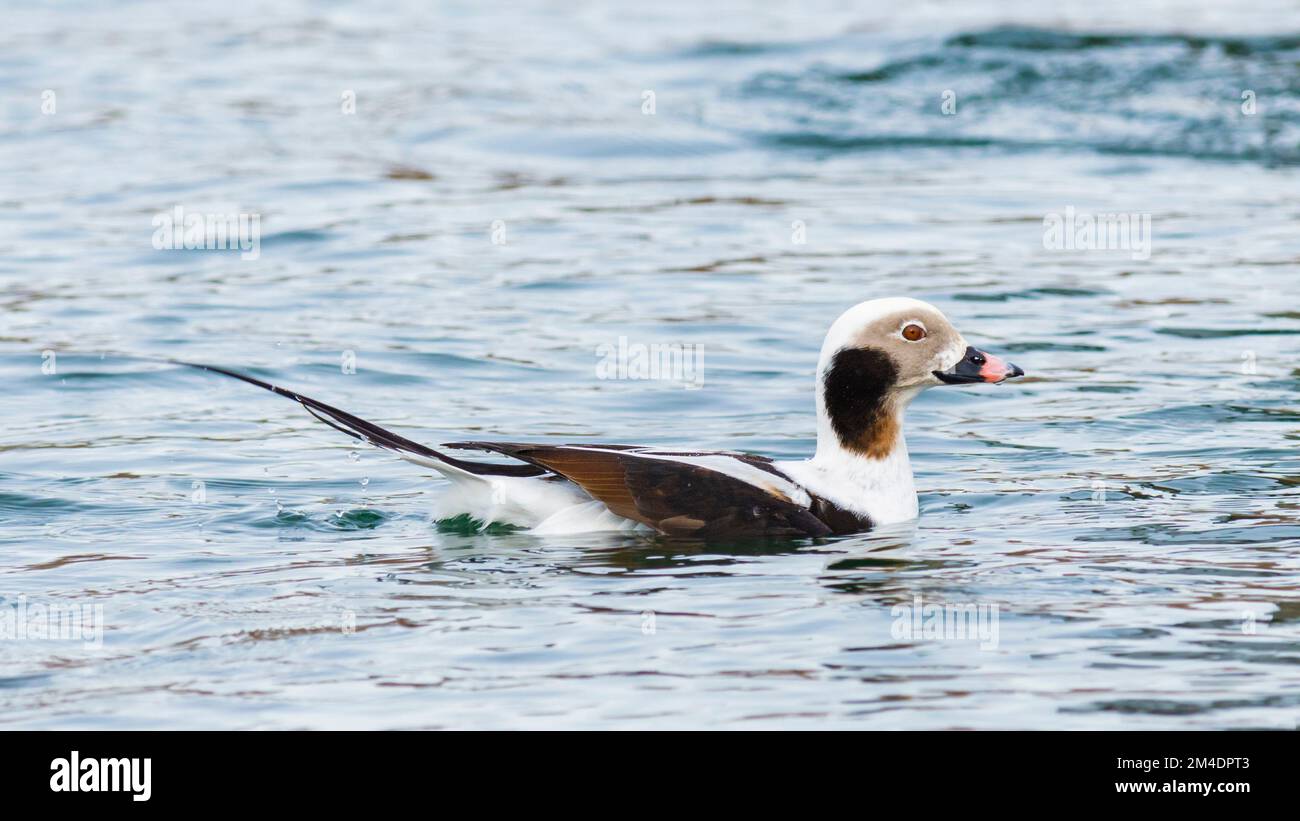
[
  {"x": 354, "y": 456},
  {"x": 365, "y": 481}
]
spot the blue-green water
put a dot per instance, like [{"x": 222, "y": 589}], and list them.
[{"x": 1131, "y": 508}]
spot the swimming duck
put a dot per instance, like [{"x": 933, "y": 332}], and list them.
[{"x": 877, "y": 357}]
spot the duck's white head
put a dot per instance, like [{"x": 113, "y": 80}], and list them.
[{"x": 876, "y": 358}]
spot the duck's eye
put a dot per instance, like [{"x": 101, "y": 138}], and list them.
[{"x": 914, "y": 333}]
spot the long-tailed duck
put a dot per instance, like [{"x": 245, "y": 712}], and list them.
[{"x": 876, "y": 358}]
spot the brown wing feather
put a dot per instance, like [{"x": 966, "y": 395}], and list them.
[
  {"x": 600, "y": 473},
  {"x": 675, "y": 498}
]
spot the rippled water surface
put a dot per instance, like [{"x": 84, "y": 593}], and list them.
[{"x": 1130, "y": 508}]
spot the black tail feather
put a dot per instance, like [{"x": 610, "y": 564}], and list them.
[{"x": 369, "y": 432}]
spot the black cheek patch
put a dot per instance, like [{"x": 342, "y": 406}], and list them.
[{"x": 854, "y": 390}]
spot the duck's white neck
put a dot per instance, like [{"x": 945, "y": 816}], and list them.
[{"x": 877, "y": 484}]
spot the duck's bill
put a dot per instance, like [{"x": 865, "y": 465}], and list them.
[{"x": 978, "y": 366}]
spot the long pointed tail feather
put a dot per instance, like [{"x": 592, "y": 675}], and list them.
[{"x": 369, "y": 432}]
